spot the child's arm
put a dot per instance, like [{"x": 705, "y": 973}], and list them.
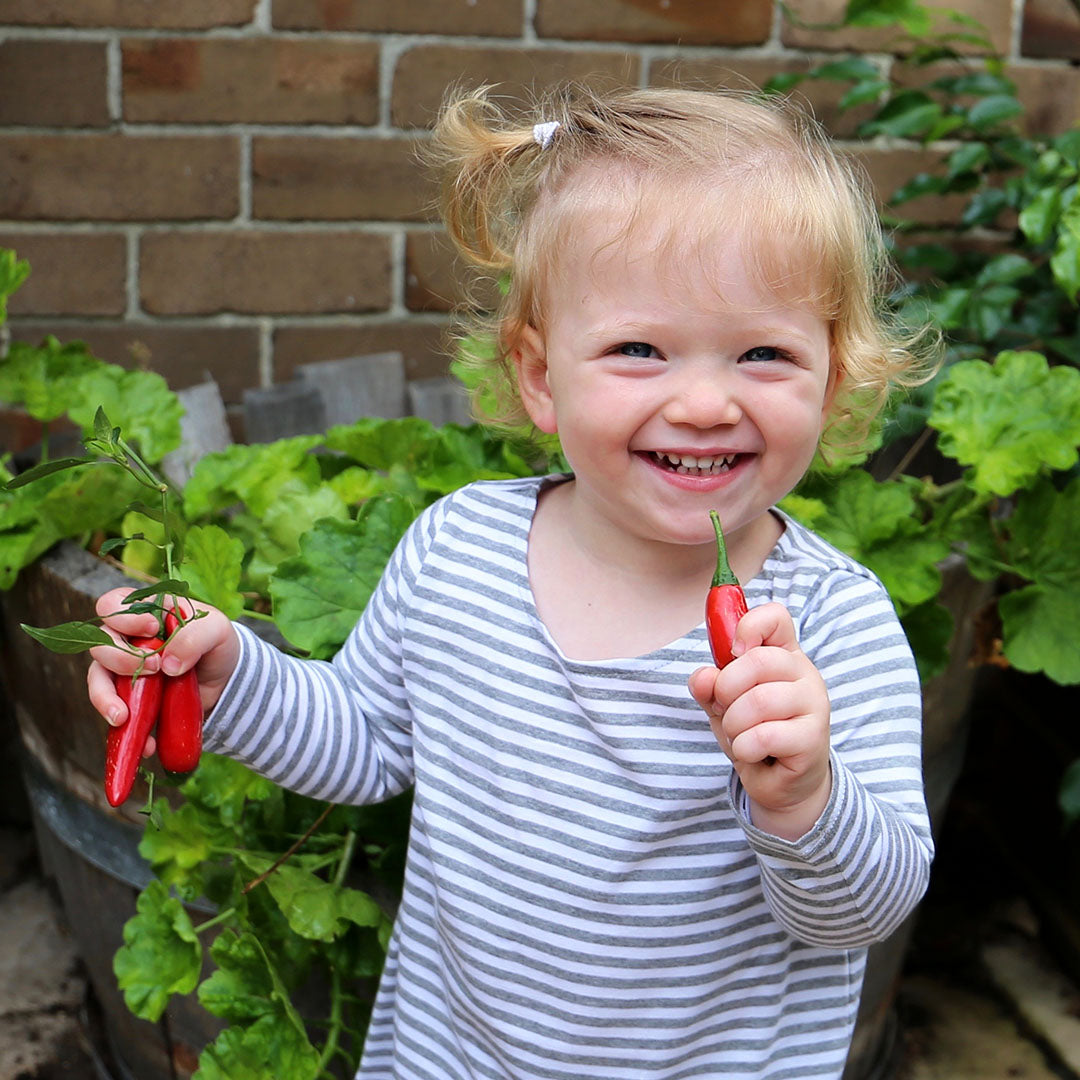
[
  {"x": 769, "y": 710},
  {"x": 862, "y": 859}
]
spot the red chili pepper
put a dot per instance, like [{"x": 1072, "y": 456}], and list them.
[
  {"x": 123, "y": 750},
  {"x": 726, "y": 603},
  {"x": 179, "y": 730}
]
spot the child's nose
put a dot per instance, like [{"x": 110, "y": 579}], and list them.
[{"x": 704, "y": 401}]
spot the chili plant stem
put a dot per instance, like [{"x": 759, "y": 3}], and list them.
[{"x": 220, "y": 917}]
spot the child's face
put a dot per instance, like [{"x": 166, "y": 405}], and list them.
[{"x": 677, "y": 383}]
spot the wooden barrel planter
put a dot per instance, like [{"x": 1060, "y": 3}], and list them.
[
  {"x": 90, "y": 849},
  {"x": 86, "y": 847}
]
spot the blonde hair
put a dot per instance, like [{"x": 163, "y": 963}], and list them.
[{"x": 510, "y": 206}]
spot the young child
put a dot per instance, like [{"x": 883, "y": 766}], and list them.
[{"x": 623, "y": 862}]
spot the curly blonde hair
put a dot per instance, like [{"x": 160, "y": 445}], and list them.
[{"x": 510, "y": 206}]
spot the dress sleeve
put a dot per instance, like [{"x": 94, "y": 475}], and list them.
[
  {"x": 864, "y": 865},
  {"x": 337, "y": 730}
]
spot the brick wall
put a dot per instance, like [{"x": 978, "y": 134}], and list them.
[{"x": 228, "y": 186}]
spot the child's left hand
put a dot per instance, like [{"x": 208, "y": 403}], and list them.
[{"x": 769, "y": 710}]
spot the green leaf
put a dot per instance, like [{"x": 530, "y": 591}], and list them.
[
  {"x": 929, "y": 629},
  {"x": 176, "y": 841},
  {"x": 1065, "y": 264},
  {"x": 161, "y": 954},
  {"x": 316, "y": 909},
  {"x": 1038, "y": 217},
  {"x": 319, "y": 594},
  {"x": 241, "y": 988},
  {"x": 990, "y": 310},
  {"x": 875, "y": 522},
  {"x": 993, "y": 110},
  {"x": 171, "y": 586},
  {"x": 267, "y": 1050},
  {"x": 140, "y": 403},
  {"x": 1009, "y": 420},
  {"x": 909, "y": 114},
  {"x": 968, "y": 157},
  {"x": 225, "y": 787},
  {"x": 1039, "y": 620},
  {"x": 1069, "y": 794},
  {"x": 69, "y": 637},
  {"x": 1005, "y": 269},
  {"x": 47, "y": 379},
  {"x": 213, "y": 562},
  {"x": 913, "y": 16},
  {"x": 46, "y": 468},
  {"x": 862, "y": 93},
  {"x": 250, "y": 473},
  {"x": 984, "y": 207},
  {"x": 850, "y": 69}
]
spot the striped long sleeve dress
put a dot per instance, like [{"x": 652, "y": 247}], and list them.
[{"x": 585, "y": 896}]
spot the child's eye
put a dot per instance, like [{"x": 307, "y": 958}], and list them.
[
  {"x": 636, "y": 348},
  {"x": 765, "y": 352}
]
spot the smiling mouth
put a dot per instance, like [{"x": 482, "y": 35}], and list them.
[{"x": 688, "y": 465}]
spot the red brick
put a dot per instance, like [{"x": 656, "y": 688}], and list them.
[
  {"x": 995, "y": 17},
  {"x": 890, "y": 169},
  {"x": 112, "y": 177},
  {"x": 819, "y": 97},
  {"x": 1051, "y": 29},
  {"x": 424, "y": 72},
  {"x": 423, "y": 344},
  {"x": 491, "y": 18},
  {"x": 328, "y": 178},
  {"x": 70, "y": 273},
  {"x": 437, "y": 279},
  {"x": 684, "y": 22},
  {"x": 58, "y": 83},
  {"x": 19, "y": 430},
  {"x": 251, "y": 80},
  {"x": 182, "y": 354},
  {"x": 188, "y": 273},
  {"x": 128, "y": 14}
]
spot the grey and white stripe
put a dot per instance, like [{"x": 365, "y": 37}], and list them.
[{"x": 585, "y": 894}]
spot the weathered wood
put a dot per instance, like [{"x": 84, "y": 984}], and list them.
[
  {"x": 441, "y": 400},
  {"x": 204, "y": 429},
  {"x": 277, "y": 412},
  {"x": 357, "y": 386}
]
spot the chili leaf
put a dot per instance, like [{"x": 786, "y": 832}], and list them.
[
  {"x": 69, "y": 637},
  {"x": 1010, "y": 420},
  {"x": 161, "y": 954},
  {"x": 46, "y": 468},
  {"x": 171, "y": 586}
]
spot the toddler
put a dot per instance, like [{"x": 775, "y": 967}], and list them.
[{"x": 624, "y": 862}]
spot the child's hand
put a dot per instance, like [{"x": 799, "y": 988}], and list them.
[
  {"x": 209, "y": 644},
  {"x": 769, "y": 709}
]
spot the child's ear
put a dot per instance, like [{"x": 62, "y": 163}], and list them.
[{"x": 530, "y": 362}]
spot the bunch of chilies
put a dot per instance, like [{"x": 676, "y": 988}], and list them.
[
  {"x": 166, "y": 706},
  {"x": 169, "y": 706}
]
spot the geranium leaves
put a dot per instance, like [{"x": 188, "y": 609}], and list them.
[{"x": 1010, "y": 421}]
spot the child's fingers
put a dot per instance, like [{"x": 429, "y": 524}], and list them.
[
  {"x": 767, "y": 624},
  {"x": 101, "y": 686},
  {"x": 124, "y": 658},
  {"x": 194, "y": 640}
]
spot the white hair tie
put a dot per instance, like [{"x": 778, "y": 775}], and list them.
[{"x": 544, "y": 133}]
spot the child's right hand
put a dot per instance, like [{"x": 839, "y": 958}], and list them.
[{"x": 208, "y": 644}]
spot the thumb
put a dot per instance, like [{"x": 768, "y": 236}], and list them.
[{"x": 767, "y": 624}]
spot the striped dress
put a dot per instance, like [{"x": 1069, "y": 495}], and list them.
[{"x": 585, "y": 895}]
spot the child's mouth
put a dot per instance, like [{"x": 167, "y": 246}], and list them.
[{"x": 689, "y": 465}]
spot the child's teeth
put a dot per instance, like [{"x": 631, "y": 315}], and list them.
[{"x": 684, "y": 463}]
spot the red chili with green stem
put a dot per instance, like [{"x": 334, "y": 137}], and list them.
[
  {"x": 726, "y": 603},
  {"x": 124, "y": 747},
  {"x": 179, "y": 730}
]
